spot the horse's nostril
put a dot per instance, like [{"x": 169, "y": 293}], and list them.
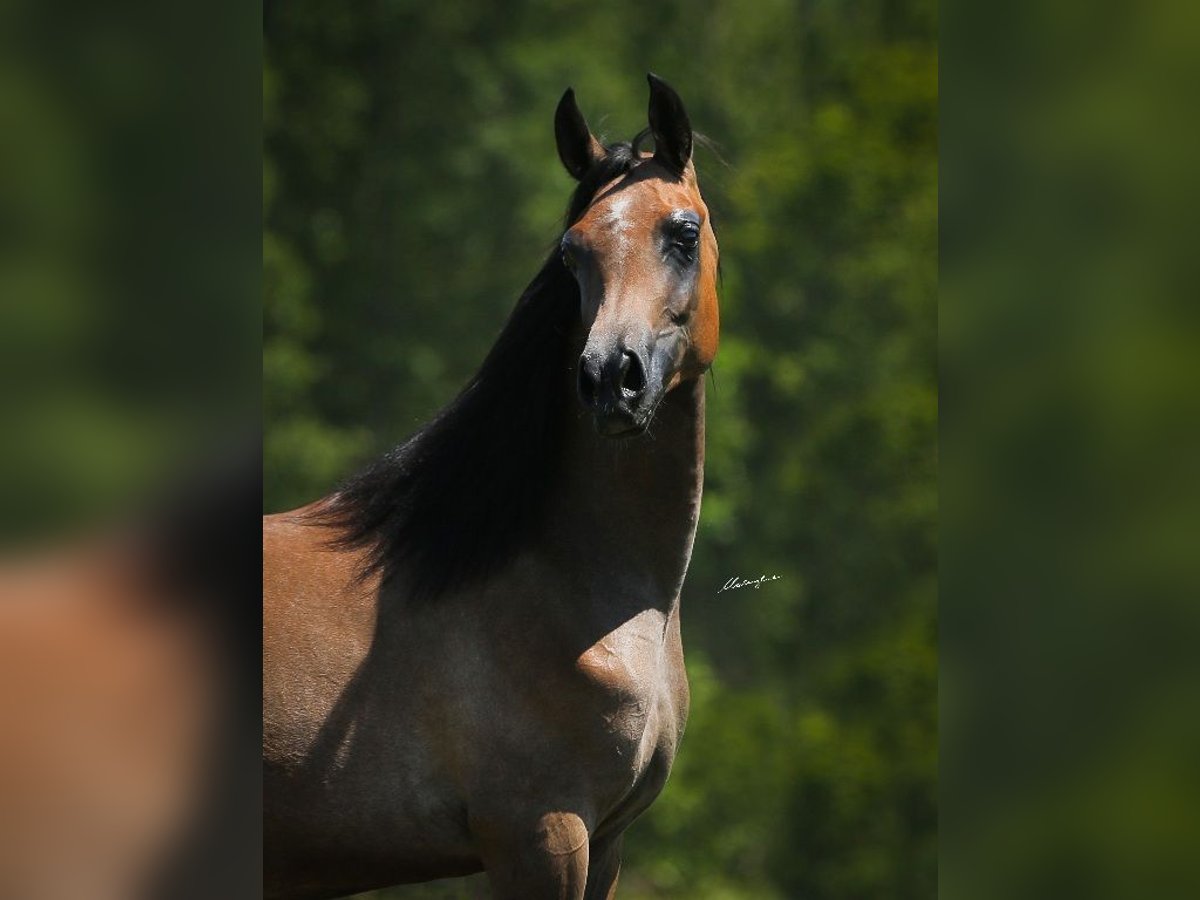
[
  {"x": 633, "y": 377},
  {"x": 588, "y": 388}
]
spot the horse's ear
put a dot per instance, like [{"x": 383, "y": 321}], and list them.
[
  {"x": 670, "y": 126},
  {"x": 577, "y": 147}
]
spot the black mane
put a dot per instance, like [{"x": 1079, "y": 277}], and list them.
[{"x": 469, "y": 489}]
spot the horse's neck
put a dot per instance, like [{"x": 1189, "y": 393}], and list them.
[{"x": 628, "y": 509}]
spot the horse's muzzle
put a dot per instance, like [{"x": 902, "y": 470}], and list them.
[{"x": 614, "y": 387}]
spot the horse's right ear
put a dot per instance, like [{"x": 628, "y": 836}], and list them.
[
  {"x": 577, "y": 147},
  {"x": 670, "y": 126}
]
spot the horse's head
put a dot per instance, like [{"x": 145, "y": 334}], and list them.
[{"x": 645, "y": 257}]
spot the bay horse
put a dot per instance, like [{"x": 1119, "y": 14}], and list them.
[{"x": 471, "y": 651}]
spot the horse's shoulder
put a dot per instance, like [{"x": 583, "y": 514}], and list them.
[{"x": 630, "y": 658}]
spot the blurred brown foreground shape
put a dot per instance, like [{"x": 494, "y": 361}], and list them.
[{"x": 123, "y": 691}]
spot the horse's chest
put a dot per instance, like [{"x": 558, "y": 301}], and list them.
[
  {"x": 586, "y": 714},
  {"x": 632, "y": 722}
]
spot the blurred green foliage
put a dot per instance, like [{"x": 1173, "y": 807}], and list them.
[
  {"x": 411, "y": 189},
  {"x": 1070, "y": 569},
  {"x": 129, "y": 319}
]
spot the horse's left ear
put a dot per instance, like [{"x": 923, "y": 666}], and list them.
[
  {"x": 670, "y": 125},
  {"x": 577, "y": 146}
]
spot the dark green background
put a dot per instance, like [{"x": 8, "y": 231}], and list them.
[{"x": 411, "y": 189}]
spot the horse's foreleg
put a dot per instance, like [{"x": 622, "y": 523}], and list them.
[
  {"x": 536, "y": 858},
  {"x": 604, "y": 864}
]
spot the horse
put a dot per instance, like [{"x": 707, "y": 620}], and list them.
[{"x": 471, "y": 650}]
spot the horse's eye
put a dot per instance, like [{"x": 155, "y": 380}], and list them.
[{"x": 688, "y": 237}]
